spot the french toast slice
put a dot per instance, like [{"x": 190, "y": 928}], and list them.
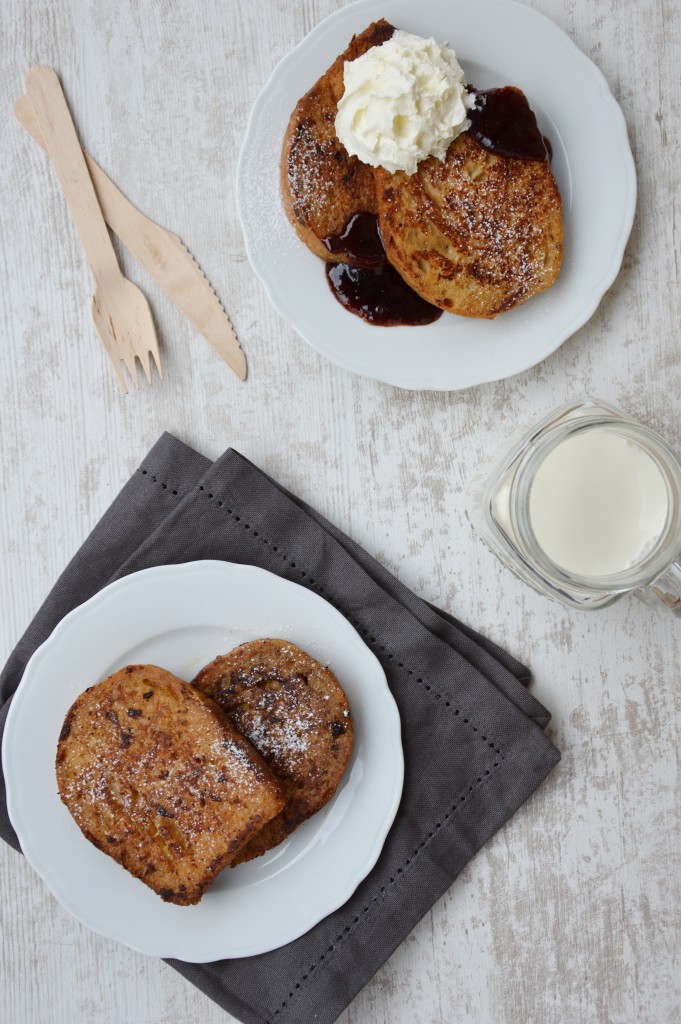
[
  {"x": 295, "y": 713},
  {"x": 322, "y": 186},
  {"x": 476, "y": 234},
  {"x": 155, "y": 775}
]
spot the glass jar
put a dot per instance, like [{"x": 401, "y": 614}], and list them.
[{"x": 499, "y": 510}]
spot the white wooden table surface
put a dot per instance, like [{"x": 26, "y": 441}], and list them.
[{"x": 571, "y": 913}]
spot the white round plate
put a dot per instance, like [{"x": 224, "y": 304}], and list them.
[
  {"x": 180, "y": 617},
  {"x": 498, "y": 42}
]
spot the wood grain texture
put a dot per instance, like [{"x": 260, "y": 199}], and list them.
[
  {"x": 160, "y": 252},
  {"x": 570, "y": 914}
]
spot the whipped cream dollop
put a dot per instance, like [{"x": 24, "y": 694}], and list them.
[{"x": 403, "y": 101}]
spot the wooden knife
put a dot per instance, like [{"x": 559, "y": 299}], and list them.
[{"x": 162, "y": 253}]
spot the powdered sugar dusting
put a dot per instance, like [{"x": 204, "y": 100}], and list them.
[
  {"x": 311, "y": 189},
  {"x": 155, "y": 777},
  {"x": 479, "y": 233},
  {"x": 293, "y": 711}
]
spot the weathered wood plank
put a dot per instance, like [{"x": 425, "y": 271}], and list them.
[{"x": 571, "y": 913}]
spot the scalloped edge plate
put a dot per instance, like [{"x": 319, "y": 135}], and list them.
[
  {"x": 498, "y": 42},
  {"x": 180, "y": 617}
]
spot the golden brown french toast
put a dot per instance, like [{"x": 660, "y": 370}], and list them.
[
  {"x": 322, "y": 186},
  {"x": 295, "y": 713},
  {"x": 475, "y": 235},
  {"x": 156, "y": 776}
]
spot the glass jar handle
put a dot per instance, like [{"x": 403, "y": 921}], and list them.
[{"x": 666, "y": 588}]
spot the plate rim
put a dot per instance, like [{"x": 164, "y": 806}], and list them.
[
  {"x": 31, "y": 850},
  {"x": 561, "y": 334}
]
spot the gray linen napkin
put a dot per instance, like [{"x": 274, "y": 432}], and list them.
[{"x": 472, "y": 734}]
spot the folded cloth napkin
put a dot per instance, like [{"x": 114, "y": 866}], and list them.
[{"x": 473, "y": 741}]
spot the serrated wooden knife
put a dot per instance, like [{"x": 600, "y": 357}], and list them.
[{"x": 162, "y": 253}]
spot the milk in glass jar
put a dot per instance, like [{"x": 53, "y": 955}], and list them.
[{"x": 586, "y": 507}]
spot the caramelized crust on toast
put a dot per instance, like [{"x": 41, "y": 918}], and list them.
[
  {"x": 476, "y": 234},
  {"x": 322, "y": 186},
  {"x": 156, "y": 776},
  {"x": 295, "y": 713}
]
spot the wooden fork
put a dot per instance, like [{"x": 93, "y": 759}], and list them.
[{"x": 119, "y": 309}]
